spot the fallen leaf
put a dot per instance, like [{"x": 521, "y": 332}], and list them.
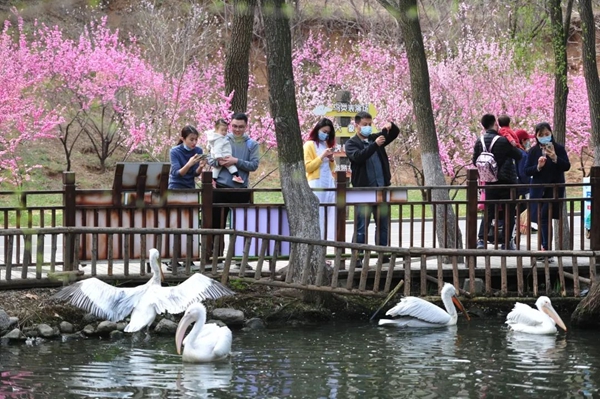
[{"x": 31, "y": 296}]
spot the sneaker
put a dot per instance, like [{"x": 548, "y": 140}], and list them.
[
  {"x": 238, "y": 179},
  {"x": 511, "y": 246},
  {"x": 480, "y": 244},
  {"x": 541, "y": 258}
]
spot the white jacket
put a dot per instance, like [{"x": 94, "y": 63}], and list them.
[{"x": 218, "y": 146}]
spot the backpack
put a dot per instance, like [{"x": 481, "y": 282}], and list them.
[{"x": 486, "y": 163}]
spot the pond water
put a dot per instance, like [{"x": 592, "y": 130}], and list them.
[{"x": 477, "y": 359}]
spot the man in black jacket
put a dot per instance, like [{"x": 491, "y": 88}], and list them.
[
  {"x": 505, "y": 155},
  {"x": 371, "y": 168}
]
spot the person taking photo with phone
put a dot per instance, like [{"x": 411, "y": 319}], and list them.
[
  {"x": 547, "y": 163},
  {"x": 187, "y": 160}
]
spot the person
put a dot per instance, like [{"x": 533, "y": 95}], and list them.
[
  {"x": 219, "y": 146},
  {"x": 505, "y": 155},
  {"x": 320, "y": 165},
  {"x": 523, "y": 179},
  {"x": 245, "y": 156},
  {"x": 370, "y": 167},
  {"x": 547, "y": 163},
  {"x": 506, "y": 132},
  {"x": 187, "y": 160}
]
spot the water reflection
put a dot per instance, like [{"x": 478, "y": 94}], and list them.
[
  {"x": 477, "y": 359},
  {"x": 149, "y": 372}
]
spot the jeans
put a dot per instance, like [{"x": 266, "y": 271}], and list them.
[
  {"x": 381, "y": 214},
  {"x": 508, "y": 220}
]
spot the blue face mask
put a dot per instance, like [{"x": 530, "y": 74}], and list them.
[
  {"x": 366, "y": 130},
  {"x": 323, "y": 136},
  {"x": 187, "y": 148},
  {"x": 545, "y": 140}
]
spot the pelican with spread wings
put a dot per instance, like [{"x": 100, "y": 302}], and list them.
[
  {"x": 416, "y": 312},
  {"x": 543, "y": 320},
  {"x": 143, "y": 302}
]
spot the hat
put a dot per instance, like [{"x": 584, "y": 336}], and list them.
[{"x": 523, "y": 135}]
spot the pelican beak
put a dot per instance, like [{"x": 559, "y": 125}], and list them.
[
  {"x": 549, "y": 310},
  {"x": 460, "y": 306},
  {"x": 182, "y": 327}
]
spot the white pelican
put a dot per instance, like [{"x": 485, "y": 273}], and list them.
[
  {"x": 143, "y": 302},
  {"x": 206, "y": 342},
  {"x": 524, "y": 318},
  {"x": 417, "y": 312}
]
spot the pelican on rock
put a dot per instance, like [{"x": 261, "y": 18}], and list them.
[{"x": 143, "y": 302}]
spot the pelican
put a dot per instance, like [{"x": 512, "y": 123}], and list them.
[
  {"x": 143, "y": 302},
  {"x": 206, "y": 342},
  {"x": 417, "y": 312},
  {"x": 524, "y": 318}
]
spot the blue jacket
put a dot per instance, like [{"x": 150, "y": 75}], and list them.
[
  {"x": 179, "y": 157},
  {"x": 550, "y": 173}
]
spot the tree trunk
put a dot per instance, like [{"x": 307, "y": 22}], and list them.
[
  {"x": 238, "y": 54},
  {"x": 587, "y": 313},
  {"x": 590, "y": 71},
  {"x": 301, "y": 203},
  {"x": 560, "y": 33},
  {"x": 406, "y": 13}
]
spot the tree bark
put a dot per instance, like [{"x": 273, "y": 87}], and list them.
[
  {"x": 406, "y": 13},
  {"x": 587, "y": 313},
  {"x": 590, "y": 72},
  {"x": 301, "y": 203},
  {"x": 560, "y": 34},
  {"x": 238, "y": 54}
]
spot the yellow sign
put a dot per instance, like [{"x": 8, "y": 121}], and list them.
[{"x": 345, "y": 110}]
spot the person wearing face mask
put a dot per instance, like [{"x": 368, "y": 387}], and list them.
[
  {"x": 371, "y": 168},
  {"x": 547, "y": 163},
  {"x": 186, "y": 160},
  {"x": 523, "y": 192},
  {"x": 320, "y": 164}
]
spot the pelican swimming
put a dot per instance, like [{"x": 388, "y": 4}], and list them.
[
  {"x": 206, "y": 342},
  {"x": 143, "y": 302},
  {"x": 524, "y": 318},
  {"x": 417, "y": 312}
]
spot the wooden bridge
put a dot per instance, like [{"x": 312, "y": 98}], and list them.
[{"x": 107, "y": 234}]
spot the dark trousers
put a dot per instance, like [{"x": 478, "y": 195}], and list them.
[
  {"x": 507, "y": 219},
  {"x": 220, "y": 214}
]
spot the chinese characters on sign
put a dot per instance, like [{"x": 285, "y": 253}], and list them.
[{"x": 346, "y": 107}]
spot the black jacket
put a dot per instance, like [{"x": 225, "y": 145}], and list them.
[
  {"x": 358, "y": 155},
  {"x": 503, "y": 152}
]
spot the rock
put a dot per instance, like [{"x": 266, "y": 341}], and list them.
[
  {"x": 116, "y": 335},
  {"x": 46, "y": 331},
  {"x": 88, "y": 330},
  {"x": 89, "y": 318},
  {"x": 106, "y": 327},
  {"x": 166, "y": 327},
  {"x": 4, "y": 321},
  {"x": 478, "y": 285},
  {"x": 217, "y": 322},
  {"x": 31, "y": 332},
  {"x": 121, "y": 325},
  {"x": 255, "y": 324},
  {"x": 14, "y": 322},
  {"x": 15, "y": 335},
  {"x": 229, "y": 316},
  {"x": 66, "y": 328},
  {"x": 71, "y": 337}
]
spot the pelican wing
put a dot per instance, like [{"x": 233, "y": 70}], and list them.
[
  {"x": 420, "y": 309},
  {"x": 101, "y": 299},
  {"x": 196, "y": 288},
  {"x": 526, "y": 315}
]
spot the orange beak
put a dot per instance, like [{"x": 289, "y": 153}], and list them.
[{"x": 460, "y": 306}]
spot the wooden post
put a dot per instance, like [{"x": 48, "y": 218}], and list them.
[
  {"x": 340, "y": 206},
  {"x": 69, "y": 219},
  {"x": 472, "y": 198},
  {"x": 207, "y": 211}
]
